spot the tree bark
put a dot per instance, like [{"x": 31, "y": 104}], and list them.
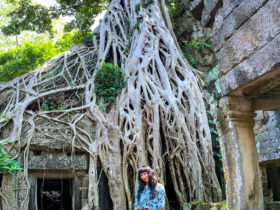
[{"x": 158, "y": 119}]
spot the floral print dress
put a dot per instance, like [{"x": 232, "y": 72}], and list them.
[{"x": 145, "y": 202}]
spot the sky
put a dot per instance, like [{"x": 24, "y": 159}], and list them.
[{"x": 47, "y": 3}]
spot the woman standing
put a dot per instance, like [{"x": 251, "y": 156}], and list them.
[{"x": 150, "y": 194}]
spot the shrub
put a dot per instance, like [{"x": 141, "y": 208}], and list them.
[
  {"x": 6, "y": 163},
  {"x": 109, "y": 82}
]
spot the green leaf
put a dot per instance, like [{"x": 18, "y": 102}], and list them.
[
  {"x": 109, "y": 81},
  {"x": 6, "y": 163}
]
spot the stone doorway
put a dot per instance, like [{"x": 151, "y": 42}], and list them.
[
  {"x": 54, "y": 194},
  {"x": 57, "y": 190}
]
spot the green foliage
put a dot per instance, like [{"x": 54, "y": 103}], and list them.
[
  {"x": 188, "y": 206},
  {"x": 198, "y": 45},
  {"x": 4, "y": 118},
  {"x": 144, "y": 3},
  {"x": 88, "y": 38},
  {"x": 130, "y": 33},
  {"x": 171, "y": 6},
  {"x": 191, "y": 47},
  {"x": 216, "y": 147},
  {"x": 84, "y": 12},
  {"x": 109, "y": 82},
  {"x": 71, "y": 38},
  {"x": 25, "y": 58},
  {"x": 6, "y": 163},
  {"x": 192, "y": 61},
  {"x": 136, "y": 25},
  {"x": 62, "y": 106},
  {"x": 30, "y": 16},
  {"x": 198, "y": 204},
  {"x": 137, "y": 7},
  {"x": 28, "y": 56},
  {"x": 47, "y": 107}
]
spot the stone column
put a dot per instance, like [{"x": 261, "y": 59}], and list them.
[{"x": 240, "y": 158}]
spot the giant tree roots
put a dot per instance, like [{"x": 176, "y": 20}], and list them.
[{"x": 158, "y": 119}]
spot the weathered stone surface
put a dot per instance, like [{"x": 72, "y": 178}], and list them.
[
  {"x": 267, "y": 131},
  {"x": 263, "y": 61},
  {"x": 195, "y": 4},
  {"x": 238, "y": 16},
  {"x": 46, "y": 160},
  {"x": 15, "y": 190},
  {"x": 210, "y": 6},
  {"x": 253, "y": 35},
  {"x": 243, "y": 180},
  {"x": 229, "y": 6},
  {"x": 205, "y": 206},
  {"x": 51, "y": 136}
]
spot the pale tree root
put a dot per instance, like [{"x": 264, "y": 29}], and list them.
[{"x": 158, "y": 119}]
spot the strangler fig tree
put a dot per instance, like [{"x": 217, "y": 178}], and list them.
[{"x": 157, "y": 119}]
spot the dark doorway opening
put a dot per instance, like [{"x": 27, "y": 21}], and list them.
[
  {"x": 54, "y": 194},
  {"x": 273, "y": 174}
]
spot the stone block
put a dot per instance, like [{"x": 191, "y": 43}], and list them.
[
  {"x": 229, "y": 6},
  {"x": 15, "y": 190},
  {"x": 259, "y": 115},
  {"x": 274, "y": 134},
  {"x": 47, "y": 160},
  {"x": 263, "y": 61},
  {"x": 234, "y": 20},
  {"x": 218, "y": 21},
  {"x": 259, "y": 138},
  {"x": 194, "y": 4},
  {"x": 251, "y": 36},
  {"x": 277, "y": 117},
  {"x": 209, "y": 10},
  {"x": 270, "y": 150},
  {"x": 209, "y": 5}
]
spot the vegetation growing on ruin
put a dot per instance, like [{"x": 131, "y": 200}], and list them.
[
  {"x": 190, "y": 47},
  {"x": 158, "y": 118},
  {"x": 109, "y": 82},
  {"x": 7, "y": 164}
]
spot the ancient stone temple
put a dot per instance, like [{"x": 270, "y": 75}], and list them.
[
  {"x": 267, "y": 135},
  {"x": 61, "y": 172},
  {"x": 57, "y": 172},
  {"x": 246, "y": 37}
]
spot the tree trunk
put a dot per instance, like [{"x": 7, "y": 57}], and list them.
[{"x": 158, "y": 119}]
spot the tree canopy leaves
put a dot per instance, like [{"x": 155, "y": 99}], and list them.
[
  {"x": 29, "y": 55},
  {"x": 35, "y": 17},
  {"x": 28, "y": 16}
]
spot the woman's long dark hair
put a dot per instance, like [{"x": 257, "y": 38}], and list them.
[{"x": 152, "y": 183}]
